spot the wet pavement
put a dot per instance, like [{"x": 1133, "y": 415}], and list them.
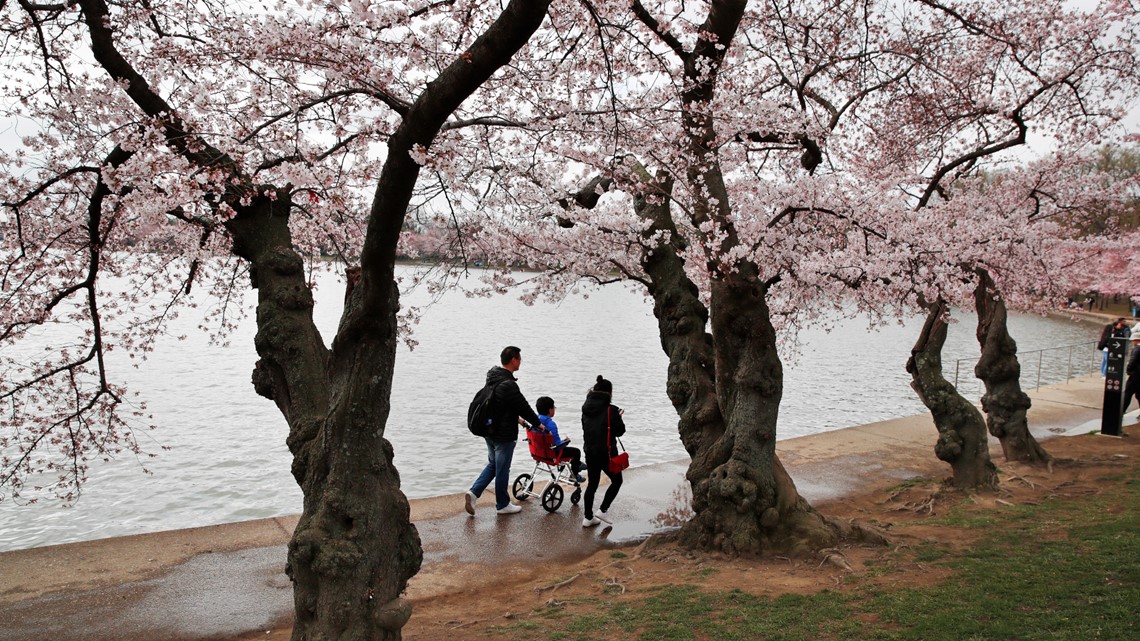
[
  {"x": 225, "y": 580},
  {"x": 639, "y": 510}
]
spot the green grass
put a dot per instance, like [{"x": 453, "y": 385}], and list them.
[{"x": 1058, "y": 571}]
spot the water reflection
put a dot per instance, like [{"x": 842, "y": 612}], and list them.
[{"x": 680, "y": 508}]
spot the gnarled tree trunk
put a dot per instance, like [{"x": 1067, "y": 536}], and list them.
[
  {"x": 962, "y": 438},
  {"x": 726, "y": 387},
  {"x": 1004, "y": 403},
  {"x": 354, "y": 548}
]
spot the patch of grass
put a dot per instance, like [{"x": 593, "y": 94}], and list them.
[
  {"x": 702, "y": 573},
  {"x": 929, "y": 553},
  {"x": 1017, "y": 583},
  {"x": 618, "y": 554},
  {"x": 1058, "y": 571}
]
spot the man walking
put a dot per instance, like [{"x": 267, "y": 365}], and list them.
[{"x": 508, "y": 405}]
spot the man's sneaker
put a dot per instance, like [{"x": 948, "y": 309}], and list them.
[
  {"x": 510, "y": 508},
  {"x": 590, "y": 522},
  {"x": 469, "y": 502},
  {"x": 605, "y": 518}
]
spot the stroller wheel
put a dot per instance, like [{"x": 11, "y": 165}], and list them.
[
  {"x": 576, "y": 496},
  {"x": 552, "y": 497},
  {"x": 522, "y": 486}
]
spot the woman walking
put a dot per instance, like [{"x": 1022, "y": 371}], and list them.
[{"x": 601, "y": 426}]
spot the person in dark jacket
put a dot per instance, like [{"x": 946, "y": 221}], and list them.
[
  {"x": 1116, "y": 329},
  {"x": 602, "y": 424},
  {"x": 509, "y": 406},
  {"x": 1132, "y": 385}
]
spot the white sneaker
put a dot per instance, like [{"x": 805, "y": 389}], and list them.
[
  {"x": 591, "y": 522},
  {"x": 605, "y": 518},
  {"x": 469, "y": 502},
  {"x": 510, "y": 508}
]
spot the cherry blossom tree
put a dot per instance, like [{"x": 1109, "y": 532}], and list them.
[
  {"x": 1011, "y": 236},
  {"x": 216, "y": 144},
  {"x": 1055, "y": 70},
  {"x": 1110, "y": 265}
]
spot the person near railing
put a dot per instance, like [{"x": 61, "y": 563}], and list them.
[{"x": 1116, "y": 329}]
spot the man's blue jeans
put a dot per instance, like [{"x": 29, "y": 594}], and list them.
[{"x": 499, "y": 455}]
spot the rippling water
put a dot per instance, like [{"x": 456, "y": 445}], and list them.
[{"x": 227, "y": 459}]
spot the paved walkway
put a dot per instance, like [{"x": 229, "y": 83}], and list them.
[{"x": 224, "y": 580}]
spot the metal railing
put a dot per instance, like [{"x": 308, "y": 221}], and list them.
[{"x": 1049, "y": 363}]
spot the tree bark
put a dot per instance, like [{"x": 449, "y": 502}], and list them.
[
  {"x": 354, "y": 548},
  {"x": 1004, "y": 403},
  {"x": 962, "y": 438},
  {"x": 726, "y": 387}
]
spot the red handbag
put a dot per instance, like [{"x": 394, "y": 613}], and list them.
[{"x": 621, "y": 461}]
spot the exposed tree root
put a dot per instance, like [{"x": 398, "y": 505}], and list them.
[
  {"x": 924, "y": 506},
  {"x": 1015, "y": 477},
  {"x": 555, "y": 586},
  {"x": 613, "y": 582},
  {"x": 456, "y": 626},
  {"x": 857, "y": 532}
]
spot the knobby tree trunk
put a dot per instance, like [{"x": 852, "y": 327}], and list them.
[
  {"x": 1004, "y": 403},
  {"x": 354, "y": 548},
  {"x": 726, "y": 388},
  {"x": 962, "y": 438}
]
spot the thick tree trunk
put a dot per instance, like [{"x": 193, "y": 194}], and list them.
[
  {"x": 1004, "y": 403},
  {"x": 354, "y": 548},
  {"x": 726, "y": 388},
  {"x": 962, "y": 438}
]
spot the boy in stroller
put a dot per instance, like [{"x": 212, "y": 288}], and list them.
[{"x": 545, "y": 408}]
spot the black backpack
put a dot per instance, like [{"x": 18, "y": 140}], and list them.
[{"x": 481, "y": 412}]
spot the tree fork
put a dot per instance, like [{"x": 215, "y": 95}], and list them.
[{"x": 354, "y": 548}]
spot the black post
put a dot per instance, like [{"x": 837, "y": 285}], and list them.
[{"x": 1113, "y": 387}]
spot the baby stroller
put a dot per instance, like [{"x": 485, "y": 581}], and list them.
[{"x": 548, "y": 462}]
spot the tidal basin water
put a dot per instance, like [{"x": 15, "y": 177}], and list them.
[{"x": 227, "y": 460}]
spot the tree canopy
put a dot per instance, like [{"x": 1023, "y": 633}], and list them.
[{"x": 752, "y": 165}]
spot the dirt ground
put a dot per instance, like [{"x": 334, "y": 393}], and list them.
[{"x": 1083, "y": 463}]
